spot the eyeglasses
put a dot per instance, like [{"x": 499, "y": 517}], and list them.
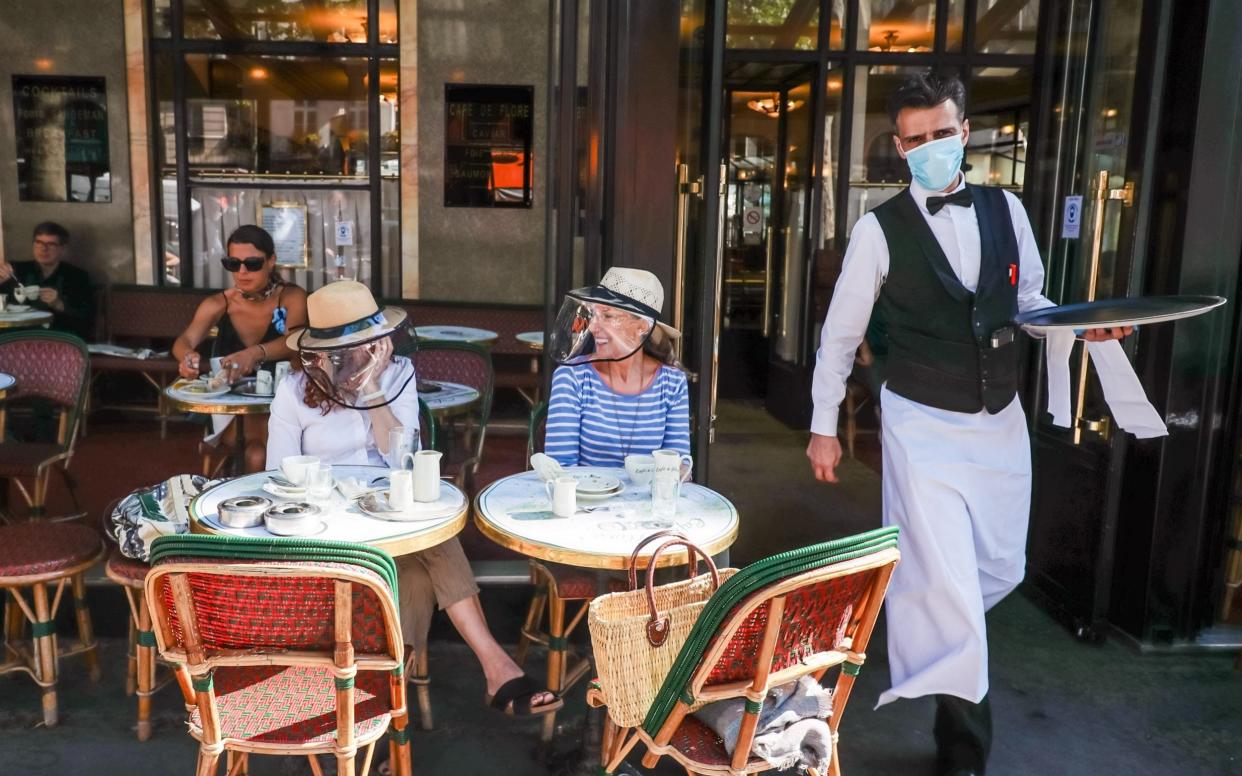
[
  {"x": 234, "y": 265},
  {"x": 47, "y": 243}
]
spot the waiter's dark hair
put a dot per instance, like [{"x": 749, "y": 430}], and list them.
[
  {"x": 927, "y": 90},
  {"x": 52, "y": 229},
  {"x": 249, "y": 234}
]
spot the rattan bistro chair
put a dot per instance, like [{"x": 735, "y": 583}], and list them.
[
  {"x": 293, "y": 647},
  {"x": 33, "y": 557},
  {"x": 803, "y": 612},
  {"x": 53, "y": 367},
  {"x": 471, "y": 365}
]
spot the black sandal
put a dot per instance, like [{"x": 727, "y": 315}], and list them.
[{"x": 518, "y": 692}]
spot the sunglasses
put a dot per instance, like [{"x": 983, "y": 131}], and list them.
[{"x": 234, "y": 265}]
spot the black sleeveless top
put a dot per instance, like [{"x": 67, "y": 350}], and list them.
[{"x": 229, "y": 341}]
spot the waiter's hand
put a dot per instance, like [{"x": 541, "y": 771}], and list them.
[
  {"x": 825, "y": 455},
  {"x": 1102, "y": 335}
]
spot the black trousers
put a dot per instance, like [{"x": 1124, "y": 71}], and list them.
[{"x": 963, "y": 732}]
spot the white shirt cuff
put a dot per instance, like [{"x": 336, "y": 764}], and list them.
[{"x": 824, "y": 421}]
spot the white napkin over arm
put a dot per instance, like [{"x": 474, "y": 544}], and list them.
[{"x": 1123, "y": 392}]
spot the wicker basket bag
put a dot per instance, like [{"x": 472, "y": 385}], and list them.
[{"x": 636, "y": 635}]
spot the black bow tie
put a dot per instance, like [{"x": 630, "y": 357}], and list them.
[{"x": 934, "y": 204}]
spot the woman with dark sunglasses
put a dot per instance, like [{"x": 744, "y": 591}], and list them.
[{"x": 251, "y": 321}]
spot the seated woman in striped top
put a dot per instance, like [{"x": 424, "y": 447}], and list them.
[{"x": 619, "y": 390}]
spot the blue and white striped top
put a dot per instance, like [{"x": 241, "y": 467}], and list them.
[{"x": 591, "y": 425}]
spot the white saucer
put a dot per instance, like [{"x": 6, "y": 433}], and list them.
[
  {"x": 587, "y": 496},
  {"x": 17, "y": 308},
  {"x": 593, "y": 484},
  {"x": 375, "y": 504},
  {"x": 199, "y": 390},
  {"x": 282, "y": 492}
]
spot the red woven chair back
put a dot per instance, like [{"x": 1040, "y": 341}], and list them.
[
  {"x": 145, "y": 312},
  {"x": 469, "y": 367},
  {"x": 270, "y": 614},
  {"x": 827, "y": 610},
  {"x": 47, "y": 365}
]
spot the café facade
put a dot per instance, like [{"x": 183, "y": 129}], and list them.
[{"x": 492, "y": 154}]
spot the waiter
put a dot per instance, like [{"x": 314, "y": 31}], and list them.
[{"x": 947, "y": 265}]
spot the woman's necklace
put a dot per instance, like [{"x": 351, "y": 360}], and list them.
[
  {"x": 268, "y": 290},
  {"x": 626, "y": 435}
]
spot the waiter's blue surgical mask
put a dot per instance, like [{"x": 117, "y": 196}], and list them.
[{"x": 934, "y": 165}]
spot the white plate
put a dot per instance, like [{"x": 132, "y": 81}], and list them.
[
  {"x": 200, "y": 390},
  {"x": 594, "y": 484},
  {"x": 283, "y": 492},
  {"x": 601, "y": 496},
  {"x": 375, "y": 504}
]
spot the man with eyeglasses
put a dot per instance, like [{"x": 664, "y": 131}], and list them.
[
  {"x": 946, "y": 265},
  {"x": 64, "y": 290}
]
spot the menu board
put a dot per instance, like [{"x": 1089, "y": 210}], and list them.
[
  {"x": 286, "y": 223},
  {"x": 487, "y": 146},
  {"x": 61, "y": 124}
]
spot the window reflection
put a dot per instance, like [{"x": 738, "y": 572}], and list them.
[
  {"x": 896, "y": 25},
  {"x": 328, "y": 21},
  {"x": 773, "y": 24},
  {"x": 1006, "y": 26},
  {"x": 277, "y": 115},
  {"x": 999, "y": 106}
]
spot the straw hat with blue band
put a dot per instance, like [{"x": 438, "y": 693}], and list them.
[{"x": 343, "y": 314}]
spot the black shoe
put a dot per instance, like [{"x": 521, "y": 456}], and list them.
[{"x": 963, "y": 732}]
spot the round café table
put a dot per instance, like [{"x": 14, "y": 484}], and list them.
[
  {"x": 342, "y": 519},
  {"x": 515, "y": 512},
  {"x": 227, "y": 404},
  {"x": 534, "y": 341},
  {"x": 531, "y": 339},
  {"x": 468, "y": 334},
  {"x": 447, "y": 400},
  {"x": 27, "y": 319}
]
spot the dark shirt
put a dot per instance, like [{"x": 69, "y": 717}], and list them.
[{"x": 73, "y": 286}]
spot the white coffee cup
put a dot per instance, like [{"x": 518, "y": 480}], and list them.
[
  {"x": 263, "y": 382},
  {"x": 640, "y": 468},
  {"x": 400, "y": 488},
  {"x": 32, "y": 293},
  {"x": 673, "y": 461},
  {"x": 563, "y": 491},
  {"x": 282, "y": 371},
  {"x": 216, "y": 364},
  {"x": 296, "y": 468},
  {"x": 426, "y": 466}
]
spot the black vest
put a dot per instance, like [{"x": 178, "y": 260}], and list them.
[{"x": 941, "y": 346}]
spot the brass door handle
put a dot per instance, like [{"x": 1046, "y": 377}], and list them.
[{"x": 1100, "y": 195}]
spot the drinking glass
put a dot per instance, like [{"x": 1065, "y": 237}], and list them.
[
  {"x": 319, "y": 482},
  {"x": 401, "y": 442},
  {"x": 665, "y": 487}
]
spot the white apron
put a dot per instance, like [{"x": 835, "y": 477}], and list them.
[{"x": 959, "y": 486}]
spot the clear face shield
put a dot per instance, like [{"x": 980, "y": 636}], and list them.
[
  {"x": 350, "y": 376},
  {"x": 588, "y": 330}
]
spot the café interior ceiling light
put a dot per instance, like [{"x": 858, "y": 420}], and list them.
[{"x": 770, "y": 106}]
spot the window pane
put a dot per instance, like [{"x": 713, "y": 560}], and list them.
[
  {"x": 331, "y": 21},
  {"x": 773, "y": 24},
  {"x": 999, "y": 106},
  {"x": 1006, "y": 26},
  {"x": 161, "y": 18},
  {"x": 896, "y": 25},
  {"x": 280, "y": 115},
  {"x": 955, "y": 25},
  {"x": 388, "y": 21}
]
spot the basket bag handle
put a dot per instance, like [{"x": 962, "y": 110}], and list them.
[
  {"x": 657, "y": 626},
  {"x": 632, "y": 566}
]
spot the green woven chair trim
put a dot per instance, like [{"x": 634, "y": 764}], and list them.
[
  {"x": 201, "y": 683},
  {"x": 344, "y": 684},
  {"x": 749, "y": 580},
  {"x": 146, "y": 638},
  {"x": 41, "y": 629},
  {"x": 399, "y": 670},
  {"x": 851, "y": 669},
  {"x": 399, "y": 737},
  {"x": 559, "y": 643},
  {"x": 687, "y": 697},
  {"x": 259, "y": 548},
  {"x": 753, "y": 707}
]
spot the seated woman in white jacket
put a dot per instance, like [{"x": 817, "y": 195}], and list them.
[{"x": 340, "y": 406}]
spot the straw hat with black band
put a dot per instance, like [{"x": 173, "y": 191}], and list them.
[{"x": 633, "y": 290}]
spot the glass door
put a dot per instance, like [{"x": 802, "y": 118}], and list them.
[{"x": 1096, "y": 135}]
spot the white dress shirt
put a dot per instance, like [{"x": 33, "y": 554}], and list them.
[
  {"x": 865, "y": 268},
  {"x": 343, "y": 435}
]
